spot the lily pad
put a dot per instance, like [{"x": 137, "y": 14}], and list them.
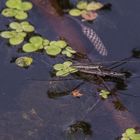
[
  {"x": 24, "y": 61},
  {"x": 75, "y": 12}
]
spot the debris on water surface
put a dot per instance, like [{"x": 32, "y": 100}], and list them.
[{"x": 76, "y": 93}]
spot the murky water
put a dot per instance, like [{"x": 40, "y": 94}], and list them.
[{"x": 34, "y": 108}]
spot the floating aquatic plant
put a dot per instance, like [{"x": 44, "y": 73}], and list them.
[
  {"x": 68, "y": 51},
  {"x": 35, "y": 44},
  {"x": 64, "y": 69},
  {"x": 56, "y": 47},
  {"x": 17, "y": 9},
  {"x": 104, "y": 94},
  {"x": 24, "y": 61},
  {"x": 18, "y": 33},
  {"x": 23, "y": 26},
  {"x": 130, "y": 134},
  {"x": 15, "y": 38},
  {"x": 86, "y": 10}
]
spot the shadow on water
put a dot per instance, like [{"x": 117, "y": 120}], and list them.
[{"x": 35, "y": 105}]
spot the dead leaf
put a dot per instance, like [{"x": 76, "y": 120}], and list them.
[
  {"x": 76, "y": 93},
  {"x": 89, "y": 16}
]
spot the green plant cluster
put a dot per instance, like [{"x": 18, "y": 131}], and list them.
[
  {"x": 130, "y": 134},
  {"x": 64, "y": 69},
  {"x": 18, "y": 32},
  {"x": 85, "y": 7},
  {"x": 52, "y": 48},
  {"x": 17, "y": 9}
]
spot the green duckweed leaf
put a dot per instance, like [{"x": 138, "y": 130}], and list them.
[
  {"x": 14, "y": 37},
  {"x": 75, "y": 12},
  {"x": 69, "y": 49},
  {"x": 6, "y": 34},
  {"x": 58, "y": 67},
  {"x": 64, "y": 69},
  {"x": 62, "y": 73},
  {"x": 16, "y": 40},
  {"x": 37, "y": 41},
  {"x": 67, "y": 53},
  {"x": 72, "y": 70},
  {"x": 46, "y": 42},
  {"x": 28, "y": 47},
  {"x": 16, "y": 26},
  {"x": 67, "y": 63},
  {"x": 53, "y": 50},
  {"x": 18, "y": 4},
  {"x": 93, "y": 6},
  {"x": 7, "y": 12},
  {"x": 60, "y": 43},
  {"x": 13, "y": 3},
  {"x": 21, "y": 15},
  {"x": 130, "y": 131},
  {"x": 104, "y": 94},
  {"x": 24, "y": 61},
  {"x": 82, "y": 5},
  {"x": 27, "y": 27},
  {"x": 134, "y": 136},
  {"x": 25, "y": 6}
]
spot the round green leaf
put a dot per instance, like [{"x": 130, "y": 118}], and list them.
[
  {"x": 37, "y": 41},
  {"x": 21, "y": 15},
  {"x": 46, "y": 42},
  {"x": 13, "y": 3},
  {"x": 130, "y": 131},
  {"x": 82, "y": 5},
  {"x": 16, "y": 26},
  {"x": 8, "y": 12},
  {"x": 62, "y": 73},
  {"x": 72, "y": 70},
  {"x": 24, "y": 61},
  {"x": 25, "y": 6},
  {"x": 16, "y": 40},
  {"x": 58, "y": 67},
  {"x": 69, "y": 49},
  {"x": 53, "y": 50},
  {"x": 27, "y": 27},
  {"x": 67, "y": 63},
  {"x": 61, "y": 43},
  {"x": 28, "y": 47},
  {"x": 75, "y": 12},
  {"x": 93, "y": 6},
  {"x": 6, "y": 34}
]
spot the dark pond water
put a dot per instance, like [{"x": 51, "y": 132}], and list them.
[{"x": 34, "y": 108}]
